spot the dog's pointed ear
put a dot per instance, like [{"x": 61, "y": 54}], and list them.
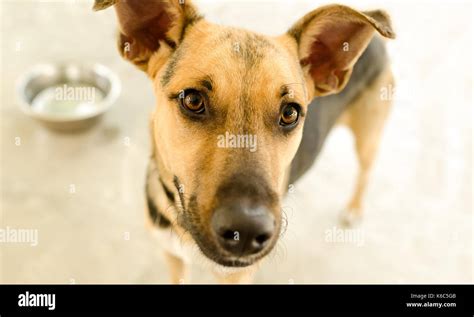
[
  {"x": 331, "y": 39},
  {"x": 147, "y": 25}
]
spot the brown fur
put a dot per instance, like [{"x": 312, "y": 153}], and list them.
[
  {"x": 366, "y": 117},
  {"x": 244, "y": 75}
]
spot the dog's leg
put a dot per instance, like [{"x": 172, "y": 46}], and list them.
[
  {"x": 162, "y": 228},
  {"x": 366, "y": 118},
  {"x": 178, "y": 264},
  {"x": 178, "y": 268}
]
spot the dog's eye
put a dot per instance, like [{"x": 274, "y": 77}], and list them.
[
  {"x": 193, "y": 101},
  {"x": 290, "y": 114}
]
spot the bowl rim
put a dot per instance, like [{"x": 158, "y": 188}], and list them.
[{"x": 105, "y": 104}]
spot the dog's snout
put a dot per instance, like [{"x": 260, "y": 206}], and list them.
[{"x": 243, "y": 230}]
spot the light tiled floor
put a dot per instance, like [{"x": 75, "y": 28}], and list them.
[{"x": 419, "y": 221}]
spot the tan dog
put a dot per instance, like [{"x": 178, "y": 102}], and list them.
[{"x": 227, "y": 130}]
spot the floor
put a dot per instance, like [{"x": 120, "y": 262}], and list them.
[{"x": 83, "y": 193}]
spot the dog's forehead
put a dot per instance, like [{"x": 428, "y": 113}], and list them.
[
  {"x": 243, "y": 46},
  {"x": 231, "y": 57}
]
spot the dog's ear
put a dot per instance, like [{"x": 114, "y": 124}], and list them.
[
  {"x": 331, "y": 39},
  {"x": 147, "y": 25}
]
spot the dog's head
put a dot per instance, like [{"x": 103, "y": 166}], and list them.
[{"x": 230, "y": 110}]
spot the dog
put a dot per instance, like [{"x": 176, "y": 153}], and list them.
[{"x": 208, "y": 193}]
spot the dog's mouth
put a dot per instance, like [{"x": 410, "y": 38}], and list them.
[{"x": 232, "y": 261}]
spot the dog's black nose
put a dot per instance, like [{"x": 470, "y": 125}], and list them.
[{"x": 243, "y": 230}]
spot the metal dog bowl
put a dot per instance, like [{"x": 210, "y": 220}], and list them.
[{"x": 68, "y": 97}]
